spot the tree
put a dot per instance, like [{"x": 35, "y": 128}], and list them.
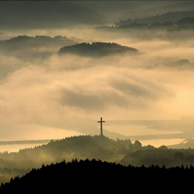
[{"x": 137, "y": 145}]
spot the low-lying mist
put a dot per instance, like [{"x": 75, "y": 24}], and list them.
[
  {"x": 56, "y": 90},
  {"x": 63, "y": 65}
]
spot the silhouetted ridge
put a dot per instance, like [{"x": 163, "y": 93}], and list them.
[
  {"x": 172, "y": 20},
  {"x": 20, "y": 42},
  {"x": 96, "y": 49},
  {"x": 87, "y": 173}
]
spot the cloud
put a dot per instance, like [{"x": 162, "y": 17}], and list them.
[
  {"x": 93, "y": 101},
  {"x": 134, "y": 88},
  {"x": 72, "y": 92},
  {"x": 53, "y": 97}
]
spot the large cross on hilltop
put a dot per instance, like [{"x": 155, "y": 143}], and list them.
[{"x": 101, "y": 121}]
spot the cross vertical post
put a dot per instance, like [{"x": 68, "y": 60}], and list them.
[{"x": 101, "y": 121}]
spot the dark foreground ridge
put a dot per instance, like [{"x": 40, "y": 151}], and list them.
[{"x": 84, "y": 175}]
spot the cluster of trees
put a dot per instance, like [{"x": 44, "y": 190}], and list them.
[
  {"x": 96, "y": 49},
  {"x": 171, "y": 20},
  {"x": 20, "y": 42},
  {"x": 150, "y": 155},
  {"x": 33, "y": 47},
  {"x": 90, "y": 174},
  {"x": 81, "y": 147},
  {"x": 123, "y": 152}
]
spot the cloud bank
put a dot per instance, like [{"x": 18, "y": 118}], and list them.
[{"x": 41, "y": 90}]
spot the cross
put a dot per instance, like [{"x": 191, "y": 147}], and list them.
[{"x": 101, "y": 121}]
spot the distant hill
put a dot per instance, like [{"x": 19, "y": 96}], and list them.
[
  {"x": 87, "y": 175},
  {"x": 150, "y": 155},
  {"x": 80, "y": 147},
  {"x": 33, "y": 47},
  {"x": 23, "y": 42},
  {"x": 186, "y": 144},
  {"x": 96, "y": 147},
  {"x": 166, "y": 17},
  {"x": 170, "y": 20},
  {"x": 96, "y": 49},
  {"x": 46, "y": 15},
  {"x": 123, "y": 152}
]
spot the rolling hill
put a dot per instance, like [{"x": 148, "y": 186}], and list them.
[
  {"x": 30, "y": 42},
  {"x": 33, "y": 47},
  {"x": 46, "y": 15},
  {"x": 96, "y": 49},
  {"x": 123, "y": 152},
  {"x": 171, "y": 20},
  {"x": 80, "y": 147}
]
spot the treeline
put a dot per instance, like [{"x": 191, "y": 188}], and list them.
[
  {"x": 171, "y": 21},
  {"x": 90, "y": 174},
  {"x": 149, "y": 155},
  {"x": 96, "y": 49},
  {"x": 20, "y": 42},
  {"x": 32, "y": 47},
  {"x": 123, "y": 152},
  {"x": 80, "y": 147}
]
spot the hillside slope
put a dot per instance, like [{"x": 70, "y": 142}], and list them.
[{"x": 81, "y": 147}]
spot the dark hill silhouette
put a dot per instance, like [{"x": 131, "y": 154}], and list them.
[
  {"x": 46, "y": 15},
  {"x": 171, "y": 20},
  {"x": 166, "y": 17},
  {"x": 32, "y": 47},
  {"x": 81, "y": 147},
  {"x": 96, "y": 49},
  {"x": 162, "y": 18},
  {"x": 93, "y": 147},
  {"x": 23, "y": 42},
  {"x": 150, "y": 155},
  {"x": 86, "y": 175}
]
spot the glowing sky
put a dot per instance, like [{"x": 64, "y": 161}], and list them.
[{"x": 58, "y": 96}]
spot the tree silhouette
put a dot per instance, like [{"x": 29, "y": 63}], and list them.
[{"x": 91, "y": 174}]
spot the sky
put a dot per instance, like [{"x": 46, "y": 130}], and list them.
[{"x": 47, "y": 96}]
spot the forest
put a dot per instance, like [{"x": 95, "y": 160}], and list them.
[
  {"x": 97, "y": 49},
  {"x": 90, "y": 174},
  {"x": 123, "y": 152},
  {"x": 171, "y": 21}
]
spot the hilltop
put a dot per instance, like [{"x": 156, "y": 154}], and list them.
[
  {"x": 97, "y": 49},
  {"x": 171, "y": 20},
  {"x": 96, "y": 147},
  {"x": 25, "y": 42},
  {"x": 31, "y": 48},
  {"x": 123, "y": 152},
  {"x": 81, "y": 147}
]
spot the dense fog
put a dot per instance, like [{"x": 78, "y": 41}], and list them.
[{"x": 46, "y": 95}]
